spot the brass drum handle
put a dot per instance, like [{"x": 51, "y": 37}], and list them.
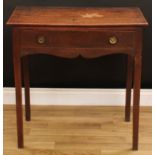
[
  {"x": 113, "y": 40},
  {"x": 41, "y": 39}
]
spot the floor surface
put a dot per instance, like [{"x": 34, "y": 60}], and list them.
[{"x": 77, "y": 130}]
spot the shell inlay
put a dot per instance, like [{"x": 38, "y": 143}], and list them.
[{"x": 92, "y": 15}]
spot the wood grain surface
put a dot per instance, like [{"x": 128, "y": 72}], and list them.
[
  {"x": 77, "y": 130},
  {"x": 57, "y": 16},
  {"x": 71, "y": 43}
]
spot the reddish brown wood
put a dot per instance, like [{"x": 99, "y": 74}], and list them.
[
  {"x": 73, "y": 32},
  {"x": 27, "y": 87},
  {"x": 136, "y": 90},
  {"x": 69, "y": 16},
  {"x": 71, "y": 39},
  {"x": 128, "y": 88},
  {"x": 17, "y": 76},
  {"x": 87, "y": 53},
  {"x": 88, "y": 43}
]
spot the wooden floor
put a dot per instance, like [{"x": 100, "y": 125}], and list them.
[{"x": 66, "y": 130}]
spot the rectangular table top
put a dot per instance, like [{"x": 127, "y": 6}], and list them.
[{"x": 77, "y": 16}]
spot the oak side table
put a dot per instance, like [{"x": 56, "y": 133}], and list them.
[{"x": 71, "y": 32}]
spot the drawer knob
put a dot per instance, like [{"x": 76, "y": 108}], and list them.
[
  {"x": 113, "y": 40},
  {"x": 41, "y": 39}
]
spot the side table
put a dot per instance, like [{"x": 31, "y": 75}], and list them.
[{"x": 70, "y": 32}]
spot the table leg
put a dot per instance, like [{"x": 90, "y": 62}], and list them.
[
  {"x": 128, "y": 87},
  {"x": 17, "y": 77},
  {"x": 25, "y": 66},
  {"x": 136, "y": 100},
  {"x": 136, "y": 89}
]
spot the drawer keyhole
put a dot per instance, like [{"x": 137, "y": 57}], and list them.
[
  {"x": 113, "y": 40},
  {"x": 41, "y": 39}
]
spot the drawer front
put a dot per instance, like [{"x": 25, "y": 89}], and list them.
[
  {"x": 77, "y": 39},
  {"x": 74, "y": 43}
]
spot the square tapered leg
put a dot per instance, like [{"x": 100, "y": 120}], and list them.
[{"x": 18, "y": 86}]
